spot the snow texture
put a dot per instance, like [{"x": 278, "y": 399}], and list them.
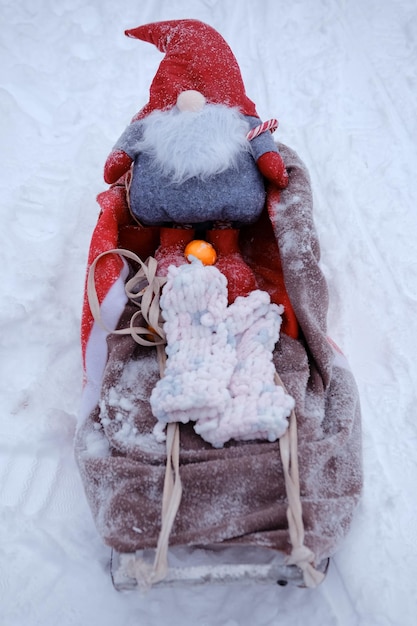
[{"x": 341, "y": 77}]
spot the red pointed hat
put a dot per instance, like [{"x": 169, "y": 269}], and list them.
[{"x": 196, "y": 57}]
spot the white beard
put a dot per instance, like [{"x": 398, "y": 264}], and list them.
[{"x": 186, "y": 144}]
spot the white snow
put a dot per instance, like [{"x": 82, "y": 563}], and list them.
[{"x": 342, "y": 79}]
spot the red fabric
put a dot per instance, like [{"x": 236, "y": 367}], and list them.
[
  {"x": 196, "y": 57},
  {"x": 139, "y": 239},
  {"x": 117, "y": 164},
  {"x": 271, "y": 165},
  {"x": 172, "y": 246},
  {"x": 260, "y": 251},
  {"x": 240, "y": 278},
  {"x": 114, "y": 212}
]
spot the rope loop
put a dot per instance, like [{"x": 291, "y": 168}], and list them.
[{"x": 143, "y": 289}]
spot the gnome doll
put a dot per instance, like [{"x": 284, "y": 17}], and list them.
[{"x": 199, "y": 151}]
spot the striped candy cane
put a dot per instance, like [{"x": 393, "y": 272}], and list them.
[{"x": 271, "y": 125}]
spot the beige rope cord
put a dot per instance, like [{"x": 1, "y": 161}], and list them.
[
  {"x": 149, "y": 294},
  {"x": 300, "y": 555},
  {"x": 149, "y": 307}
]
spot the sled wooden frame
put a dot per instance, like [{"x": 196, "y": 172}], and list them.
[
  {"x": 212, "y": 565},
  {"x": 152, "y": 567}
]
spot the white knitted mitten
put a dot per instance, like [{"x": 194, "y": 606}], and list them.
[
  {"x": 200, "y": 358},
  {"x": 258, "y": 408}
]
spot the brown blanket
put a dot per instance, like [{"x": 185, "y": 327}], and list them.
[{"x": 235, "y": 494}]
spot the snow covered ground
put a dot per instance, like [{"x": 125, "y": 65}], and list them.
[{"x": 342, "y": 79}]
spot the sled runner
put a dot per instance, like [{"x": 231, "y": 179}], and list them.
[
  {"x": 249, "y": 507},
  {"x": 213, "y": 565}
]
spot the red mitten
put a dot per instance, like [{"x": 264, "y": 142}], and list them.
[
  {"x": 117, "y": 164},
  {"x": 271, "y": 165}
]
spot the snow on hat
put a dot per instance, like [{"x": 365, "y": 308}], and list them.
[{"x": 196, "y": 57}]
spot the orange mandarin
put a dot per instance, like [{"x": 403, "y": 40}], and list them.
[{"x": 202, "y": 250}]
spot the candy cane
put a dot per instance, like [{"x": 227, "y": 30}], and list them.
[{"x": 271, "y": 125}]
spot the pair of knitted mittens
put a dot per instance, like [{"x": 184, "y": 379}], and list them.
[{"x": 219, "y": 372}]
